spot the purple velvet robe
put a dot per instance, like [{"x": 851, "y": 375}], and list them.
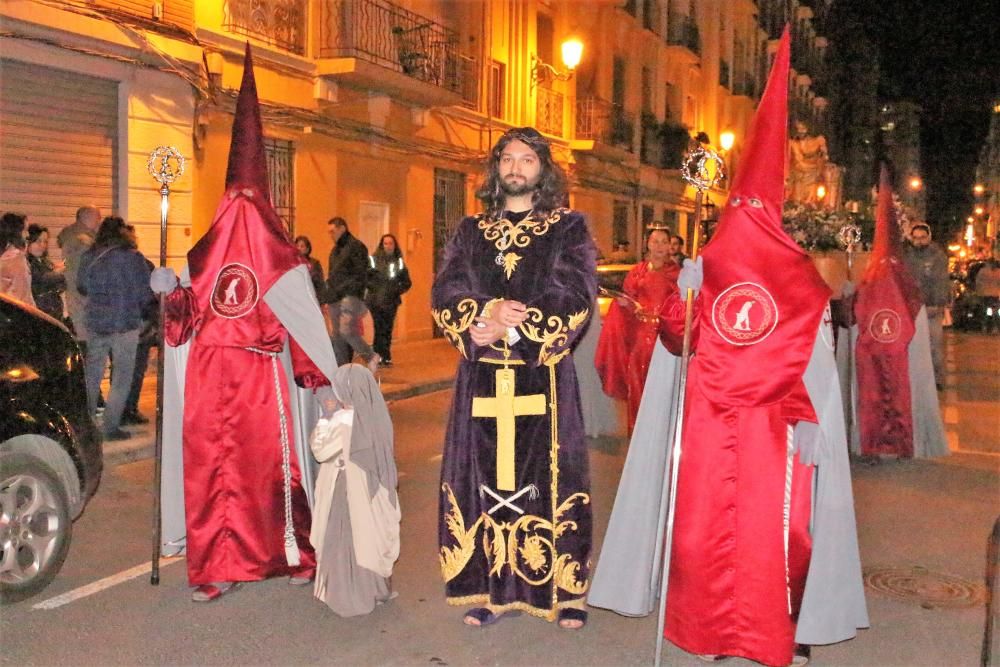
[{"x": 523, "y": 543}]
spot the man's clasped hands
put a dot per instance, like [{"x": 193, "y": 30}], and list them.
[{"x": 504, "y": 315}]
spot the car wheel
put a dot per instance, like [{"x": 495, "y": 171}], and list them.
[{"x": 35, "y": 526}]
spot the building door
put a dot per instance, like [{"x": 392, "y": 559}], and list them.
[
  {"x": 58, "y": 144},
  {"x": 449, "y": 209}
]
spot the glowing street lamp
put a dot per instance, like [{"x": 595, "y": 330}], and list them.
[
  {"x": 978, "y": 189},
  {"x": 970, "y": 234},
  {"x": 572, "y": 53},
  {"x": 820, "y": 191},
  {"x": 978, "y": 210},
  {"x": 916, "y": 183},
  {"x": 726, "y": 140}
]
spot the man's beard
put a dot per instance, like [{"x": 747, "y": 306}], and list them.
[{"x": 516, "y": 189}]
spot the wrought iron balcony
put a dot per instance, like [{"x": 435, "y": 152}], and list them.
[
  {"x": 604, "y": 122},
  {"x": 395, "y": 38},
  {"x": 278, "y": 22},
  {"x": 549, "y": 112},
  {"x": 683, "y": 31}
]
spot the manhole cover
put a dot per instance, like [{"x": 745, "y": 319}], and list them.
[{"x": 921, "y": 586}]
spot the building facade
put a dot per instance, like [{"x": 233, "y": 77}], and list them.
[{"x": 381, "y": 112}]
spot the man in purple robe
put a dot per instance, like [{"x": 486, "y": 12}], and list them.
[{"x": 514, "y": 294}]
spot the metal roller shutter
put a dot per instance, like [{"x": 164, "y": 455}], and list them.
[{"x": 58, "y": 144}]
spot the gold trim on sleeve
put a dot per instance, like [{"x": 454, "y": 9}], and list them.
[
  {"x": 555, "y": 334},
  {"x": 453, "y": 330}
]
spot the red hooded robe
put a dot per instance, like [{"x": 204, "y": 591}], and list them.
[
  {"x": 234, "y": 481},
  {"x": 734, "y": 586},
  {"x": 885, "y": 308}
]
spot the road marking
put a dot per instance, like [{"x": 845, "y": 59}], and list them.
[{"x": 101, "y": 584}]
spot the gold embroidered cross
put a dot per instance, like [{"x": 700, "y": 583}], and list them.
[{"x": 505, "y": 406}]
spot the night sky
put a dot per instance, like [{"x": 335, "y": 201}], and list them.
[{"x": 945, "y": 56}]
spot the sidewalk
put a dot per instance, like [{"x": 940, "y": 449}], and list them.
[{"x": 420, "y": 367}]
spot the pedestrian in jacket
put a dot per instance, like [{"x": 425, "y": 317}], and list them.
[
  {"x": 47, "y": 281},
  {"x": 114, "y": 277},
  {"x": 388, "y": 280},
  {"x": 346, "y": 280}
]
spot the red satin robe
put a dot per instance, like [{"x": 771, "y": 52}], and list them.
[
  {"x": 234, "y": 496},
  {"x": 627, "y": 338}
]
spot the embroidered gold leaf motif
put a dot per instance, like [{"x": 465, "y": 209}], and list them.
[
  {"x": 576, "y": 319},
  {"x": 533, "y": 554},
  {"x": 506, "y": 234},
  {"x": 453, "y": 330},
  {"x": 554, "y": 336},
  {"x": 510, "y": 261},
  {"x": 497, "y": 555},
  {"x": 454, "y": 559},
  {"x": 566, "y": 571}
]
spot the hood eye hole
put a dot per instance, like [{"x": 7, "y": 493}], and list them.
[
  {"x": 756, "y": 203},
  {"x": 736, "y": 201}
]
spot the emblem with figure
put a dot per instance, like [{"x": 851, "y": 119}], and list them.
[
  {"x": 744, "y": 314},
  {"x": 235, "y": 293},
  {"x": 885, "y": 326}
]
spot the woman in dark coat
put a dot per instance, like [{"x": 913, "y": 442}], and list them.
[
  {"x": 315, "y": 268},
  {"x": 388, "y": 279},
  {"x": 47, "y": 282}
]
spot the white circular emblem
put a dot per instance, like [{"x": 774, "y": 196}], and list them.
[
  {"x": 235, "y": 293},
  {"x": 744, "y": 314},
  {"x": 885, "y": 325}
]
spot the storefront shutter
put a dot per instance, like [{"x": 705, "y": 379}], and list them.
[{"x": 58, "y": 144}]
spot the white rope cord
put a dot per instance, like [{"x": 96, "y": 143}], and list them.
[
  {"x": 292, "y": 555},
  {"x": 787, "y": 510}
]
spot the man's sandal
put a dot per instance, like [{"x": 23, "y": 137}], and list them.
[
  {"x": 209, "y": 592},
  {"x": 572, "y": 619},
  {"x": 480, "y": 617}
]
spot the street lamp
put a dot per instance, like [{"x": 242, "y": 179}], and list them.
[
  {"x": 978, "y": 210},
  {"x": 916, "y": 183},
  {"x": 978, "y": 189},
  {"x": 726, "y": 140},
  {"x": 572, "y": 52},
  {"x": 820, "y": 191}
]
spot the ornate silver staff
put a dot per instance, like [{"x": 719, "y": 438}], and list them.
[
  {"x": 849, "y": 236},
  {"x": 165, "y": 165},
  {"x": 702, "y": 168}
]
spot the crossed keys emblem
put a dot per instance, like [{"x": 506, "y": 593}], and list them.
[{"x": 508, "y": 502}]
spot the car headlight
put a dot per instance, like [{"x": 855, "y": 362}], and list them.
[{"x": 18, "y": 374}]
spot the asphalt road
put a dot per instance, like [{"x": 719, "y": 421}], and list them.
[{"x": 272, "y": 623}]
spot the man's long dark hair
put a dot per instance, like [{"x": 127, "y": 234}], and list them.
[{"x": 549, "y": 194}]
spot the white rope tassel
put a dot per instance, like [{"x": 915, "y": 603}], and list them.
[
  {"x": 292, "y": 556},
  {"x": 787, "y": 511}
]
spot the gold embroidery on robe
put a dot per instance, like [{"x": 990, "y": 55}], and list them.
[
  {"x": 506, "y": 235},
  {"x": 453, "y": 330},
  {"x": 527, "y": 543},
  {"x": 555, "y": 335}
]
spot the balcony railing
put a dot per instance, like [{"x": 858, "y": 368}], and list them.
[
  {"x": 603, "y": 121},
  {"x": 388, "y": 35},
  {"x": 683, "y": 31},
  {"x": 278, "y": 22},
  {"x": 549, "y": 114}
]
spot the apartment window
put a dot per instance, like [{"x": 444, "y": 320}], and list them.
[
  {"x": 449, "y": 208},
  {"x": 647, "y": 90},
  {"x": 619, "y": 225},
  {"x": 647, "y": 216},
  {"x": 544, "y": 38},
  {"x": 280, "y": 156},
  {"x": 495, "y": 91}
]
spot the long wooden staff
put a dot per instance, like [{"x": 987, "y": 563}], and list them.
[
  {"x": 702, "y": 168},
  {"x": 165, "y": 165}
]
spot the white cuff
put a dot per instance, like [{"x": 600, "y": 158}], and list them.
[{"x": 512, "y": 335}]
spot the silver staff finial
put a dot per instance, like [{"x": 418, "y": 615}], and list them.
[
  {"x": 849, "y": 236},
  {"x": 703, "y": 168},
  {"x": 165, "y": 164}
]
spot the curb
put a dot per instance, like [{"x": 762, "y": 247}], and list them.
[{"x": 143, "y": 445}]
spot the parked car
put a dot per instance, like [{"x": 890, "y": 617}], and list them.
[
  {"x": 610, "y": 278},
  {"x": 50, "y": 449}
]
